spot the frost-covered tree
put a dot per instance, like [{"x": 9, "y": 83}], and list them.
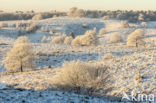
[
  {"x": 72, "y": 11},
  {"x": 20, "y": 56},
  {"x": 136, "y": 38}
]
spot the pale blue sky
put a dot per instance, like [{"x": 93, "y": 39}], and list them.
[{"x": 47, "y": 5}]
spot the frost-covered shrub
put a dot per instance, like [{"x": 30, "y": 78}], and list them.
[
  {"x": 37, "y": 17},
  {"x": 135, "y": 39},
  {"x": 20, "y": 56},
  {"x": 58, "y": 39},
  {"x": 124, "y": 24},
  {"x": 141, "y": 17},
  {"x": 44, "y": 39},
  {"x": 116, "y": 37},
  {"x": 88, "y": 39},
  {"x": 108, "y": 56},
  {"x": 105, "y": 17},
  {"x": 21, "y": 25},
  {"x": 144, "y": 24},
  {"x": 85, "y": 26},
  {"x": 102, "y": 31},
  {"x": 81, "y": 77},
  {"x": 32, "y": 28},
  {"x": 68, "y": 40},
  {"x": 3, "y": 25},
  {"x": 45, "y": 29}
]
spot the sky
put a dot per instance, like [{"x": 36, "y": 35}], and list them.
[{"x": 64, "y": 5}]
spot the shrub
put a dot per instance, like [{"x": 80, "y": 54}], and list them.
[
  {"x": 81, "y": 77},
  {"x": 135, "y": 39},
  {"x": 45, "y": 29},
  {"x": 58, "y": 39},
  {"x": 37, "y": 17},
  {"x": 85, "y": 26},
  {"x": 44, "y": 39},
  {"x": 88, "y": 39},
  {"x": 124, "y": 24},
  {"x": 68, "y": 40},
  {"x": 3, "y": 25},
  {"x": 108, "y": 56},
  {"x": 21, "y": 25},
  {"x": 20, "y": 56},
  {"x": 116, "y": 37},
  {"x": 105, "y": 17},
  {"x": 32, "y": 28},
  {"x": 143, "y": 24},
  {"x": 102, "y": 31}
]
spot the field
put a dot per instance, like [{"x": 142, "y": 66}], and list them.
[{"x": 130, "y": 68}]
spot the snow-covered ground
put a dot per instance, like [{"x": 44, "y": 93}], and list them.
[{"x": 127, "y": 64}]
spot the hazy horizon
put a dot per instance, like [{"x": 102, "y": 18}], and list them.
[{"x": 59, "y": 5}]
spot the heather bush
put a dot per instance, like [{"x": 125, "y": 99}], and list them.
[
  {"x": 115, "y": 38},
  {"x": 135, "y": 39},
  {"x": 81, "y": 77}
]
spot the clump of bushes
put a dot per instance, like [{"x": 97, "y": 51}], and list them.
[
  {"x": 82, "y": 78},
  {"x": 68, "y": 40},
  {"x": 115, "y": 38},
  {"x": 32, "y": 28},
  {"x": 58, "y": 39},
  {"x": 88, "y": 39},
  {"x": 37, "y": 17},
  {"x": 124, "y": 24},
  {"x": 135, "y": 39}
]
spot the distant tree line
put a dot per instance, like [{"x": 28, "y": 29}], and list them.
[
  {"x": 19, "y": 15},
  {"x": 130, "y": 16}
]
